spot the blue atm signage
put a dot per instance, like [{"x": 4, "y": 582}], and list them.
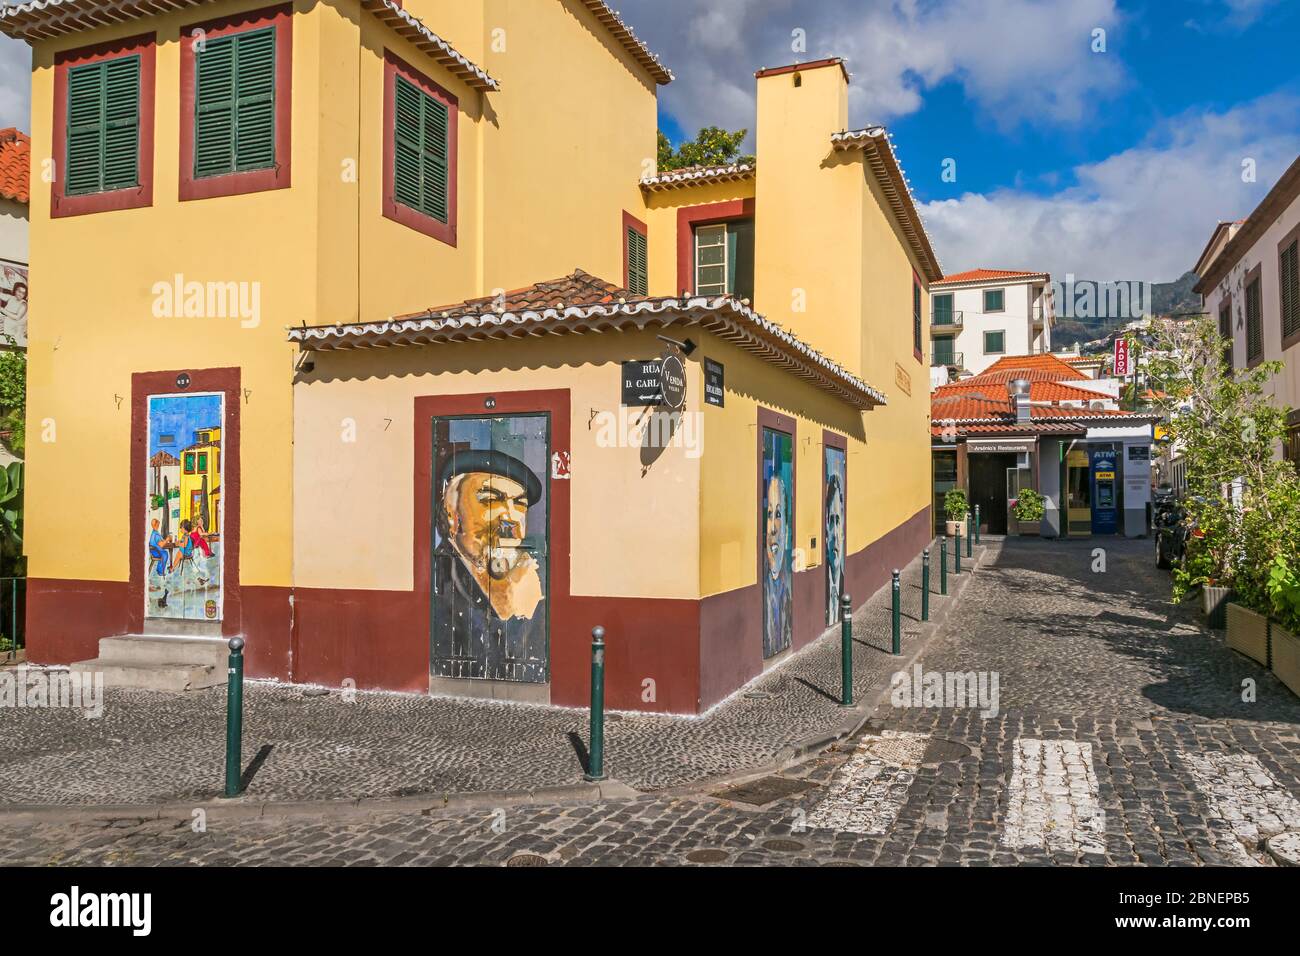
[{"x": 1105, "y": 491}]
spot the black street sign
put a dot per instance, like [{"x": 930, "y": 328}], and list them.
[
  {"x": 641, "y": 383},
  {"x": 714, "y": 383}
]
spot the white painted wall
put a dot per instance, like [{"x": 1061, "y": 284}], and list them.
[{"x": 1016, "y": 320}]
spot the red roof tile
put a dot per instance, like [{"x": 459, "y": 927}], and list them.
[
  {"x": 1032, "y": 368},
  {"x": 578, "y": 289},
  {"x": 985, "y": 275},
  {"x": 15, "y": 164},
  {"x": 1042, "y": 390}
]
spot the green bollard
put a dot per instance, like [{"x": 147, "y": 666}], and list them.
[
  {"x": 925, "y": 585},
  {"x": 234, "y": 717},
  {"x": 970, "y": 535},
  {"x": 977, "y": 524},
  {"x": 596, "y": 758},
  {"x": 943, "y": 565},
  {"x": 956, "y": 557},
  {"x": 846, "y": 651},
  {"x": 898, "y": 620}
]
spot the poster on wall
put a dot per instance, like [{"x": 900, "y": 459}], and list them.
[
  {"x": 13, "y": 304},
  {"x": 833, "y": 510},
  {"x": 491, "y": 548},
  {"x": 183, "y": 516},
  {"x": 777, "y": 535}
]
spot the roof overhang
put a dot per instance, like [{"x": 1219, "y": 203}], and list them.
[
  {"x": 1283, "y": 193},
  {"x": 45, "y": 19},
  {"x": 875, "y": 145},
  {"x": 723, "y": 316},
  {"x": 698, "y": 176},
  {"x": 621, "y": 32},
  {"x": 996, "y": 281}
]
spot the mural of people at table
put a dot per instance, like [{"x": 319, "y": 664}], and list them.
[
  {"x": 834, "y": 532},
  {"x": 13, "y": 305},
  {"x": 777, "y": 535},
  {"x": 182, "y": 510},
  {"x": 490, "y": 549}
]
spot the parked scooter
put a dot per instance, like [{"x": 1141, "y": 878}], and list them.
[{"x": 1172, "y": 531}]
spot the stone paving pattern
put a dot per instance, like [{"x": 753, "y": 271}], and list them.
[
  {"x": 152, "y": 747},
  {"x": 1157, "y": 700}
]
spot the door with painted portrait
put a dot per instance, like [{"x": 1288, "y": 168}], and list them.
[
  {"x": 491, "y": 535},
  {"x": 776, "y": 532},
  {"x": 834, "y": 517},
  {"x": 182, "y": 507}
]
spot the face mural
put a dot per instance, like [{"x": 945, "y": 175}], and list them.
[
  {"x": 490, "y": 549},
  {"x": 777, "y": 535},
  {"x": 13, "y": 304},
  {"x": 182, "y": 510},
  {"x": 836, "y": 480}
]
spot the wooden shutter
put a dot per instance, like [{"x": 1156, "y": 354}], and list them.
[
  {"x": 234, "y": 103},
  {"x": 420, "y": 134},
  {"x": 1289, "y": 276},
  {"x": 1254, "y": 323},
  {"x": 103, "y": 126},
  {"x": 638, "y": 274}
]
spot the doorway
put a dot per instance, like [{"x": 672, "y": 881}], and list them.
[
  {"x": 491, "y": 548},
  {"x": 989, "y": 487}
]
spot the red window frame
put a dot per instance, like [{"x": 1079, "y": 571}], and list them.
[
  {"x": 131, "y": 198},
  {"x": 688, "y": 218},
  {"x": 255, "y": 180},
  {"x": 392, "y": 209},
  {"x": 631, "y": 222}
]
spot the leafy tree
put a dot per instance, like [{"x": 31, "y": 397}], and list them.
[
  {"x": 13, "y": 398},
  {"x": 1243, "y": 498},
  {"x": 711, "y": 147}
]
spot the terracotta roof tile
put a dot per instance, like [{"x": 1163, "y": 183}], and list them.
[
  {"x": 986, "y": 275},
  {"x": 1042, "y": 390},
  {"x": 15, "y": 164},
  {"x": 697, "y": 176},
  {"x": 578, "y": 289},
  {"x": 1032, "y": 368}
]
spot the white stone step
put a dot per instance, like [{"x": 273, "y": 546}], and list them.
[
  {"x": 175, "y": 678},
  {"x": 147, "y": 649}
]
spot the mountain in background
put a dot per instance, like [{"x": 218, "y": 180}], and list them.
[{"x": 1167, "y": 298}]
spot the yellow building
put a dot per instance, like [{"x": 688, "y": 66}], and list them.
[{"x": 648, "y": 407}]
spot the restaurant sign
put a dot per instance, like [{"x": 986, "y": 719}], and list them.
[{"x": 999, "y": 447}]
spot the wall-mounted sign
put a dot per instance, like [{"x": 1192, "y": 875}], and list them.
[
  {"x": 641, "y": 382},
  {"x": 714, "y": 384},
  {"x": 902, "y": 379},
  {"x": 182, "y": 380},
  {"x": 672, "y": 380},
  {"x": 999, "y": 447},
  {"x": 1123, "y": 365},
  {"x": 1139, "y": 453}
]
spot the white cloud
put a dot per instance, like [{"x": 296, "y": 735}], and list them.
[
  {"x": 1144, "y": 213},
  {"x": 1018, "y": 60},
  {"x": 15, "y": 84}
]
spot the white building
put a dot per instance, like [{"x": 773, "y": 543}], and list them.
[
  {"x": 1250, "y": 284},
  {"x": 980, "y": 316}
]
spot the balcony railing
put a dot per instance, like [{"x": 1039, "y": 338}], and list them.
[
  {"x": 942, "y": 324},
  {"x": 948, "y": 360}
]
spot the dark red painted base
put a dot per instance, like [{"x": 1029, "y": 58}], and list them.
[{"x": 665, "y": 656}]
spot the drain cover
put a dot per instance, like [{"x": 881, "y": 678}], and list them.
[
  {"x": 526, "y": 859},
  {"x": 765, "y": 790},
  {"x": 707, "y": 856},
  {"x": 944, "y": 751},
  {"x": 784, "y": 846}
]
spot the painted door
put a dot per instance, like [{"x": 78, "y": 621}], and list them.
[
  {"x": 491, "y": 536},
  {"x": 183, "y": 551},
  {"x": 834, "y": 514},
  {"x": 776, "y": 532}
]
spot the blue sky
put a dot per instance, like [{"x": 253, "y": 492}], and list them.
[{"x": 1108, "y": 163}]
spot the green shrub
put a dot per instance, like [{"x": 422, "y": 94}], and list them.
[
  {"x": 1029, "y": 506},
  {"x": 955, "y": 505}
]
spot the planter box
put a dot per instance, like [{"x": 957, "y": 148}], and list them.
[
  {"x": 1029, "y": 528},
  {"x": 957, "y": 529},
  {"x": 1216, "y": 606},
  {"x": 1248, "y": 633},
  {"x": 1286, "y": 658}
]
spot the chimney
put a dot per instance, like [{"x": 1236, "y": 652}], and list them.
[{"x": 1018, "y": 390}]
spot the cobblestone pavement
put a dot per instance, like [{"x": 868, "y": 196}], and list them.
[
  {"x": 151, "y": 747},
  {"x": 1120, "y": 738}
]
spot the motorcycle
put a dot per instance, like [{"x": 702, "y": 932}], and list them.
[{"x": 1172, "y": 532}]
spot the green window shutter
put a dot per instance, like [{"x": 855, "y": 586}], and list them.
[
  {"x": 1254, "y": 323},
  {"x": 638, "y": 274},
  {"x": 421, "y": 130},
  {"x": 942, "y": 306},
  {"x": 1289, "y": 274},
  {"x": 103, "y": 132},
  {"x": 234, "y": 104}
]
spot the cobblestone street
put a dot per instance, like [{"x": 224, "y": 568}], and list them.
[{"x": 1118, "y": 736}]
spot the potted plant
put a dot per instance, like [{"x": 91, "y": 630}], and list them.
[
  {"x": 1028, "y": 510},
  {"x": 955, "y": 508},
  {"x": 1284, "y": 591}
]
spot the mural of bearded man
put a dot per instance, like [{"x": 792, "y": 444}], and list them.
[{"x": 489, "y": 621}]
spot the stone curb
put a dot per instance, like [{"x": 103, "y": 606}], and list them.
[
  {"x": 857, "y": 718},
  {"x": 366, "y": 807},
  {"x": 359, "y": 808}
]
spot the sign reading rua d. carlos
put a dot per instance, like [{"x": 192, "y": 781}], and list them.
[{"x": 641, "y": 383}]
